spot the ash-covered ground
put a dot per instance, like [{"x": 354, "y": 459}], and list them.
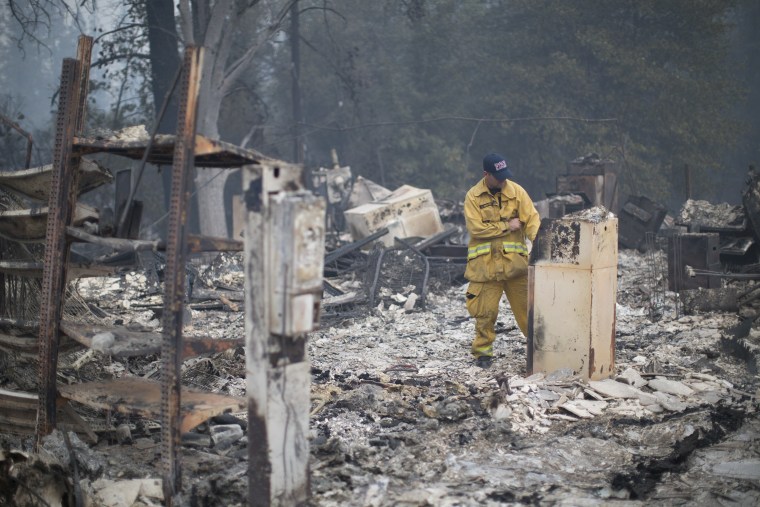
[{"x": 400, "y": 415}]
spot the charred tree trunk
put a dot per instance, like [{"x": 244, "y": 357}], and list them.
[
  {"x": 164, "y": 58},
  {"x": 295, "y": 59},
  {"x": 164, "y": 62}
]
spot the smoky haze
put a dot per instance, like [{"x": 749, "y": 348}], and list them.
[{"x": 415, "y": 92}]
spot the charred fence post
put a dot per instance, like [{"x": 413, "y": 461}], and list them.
[
  {"x": 284, "y": 250},
  {"x": 572, "y": 289}
]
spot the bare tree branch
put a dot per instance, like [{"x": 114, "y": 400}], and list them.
[
  {"x": 117, "y": 57},
  {"x": 117, "y": 30},
  {"x": 216, "y": 24},
  {"x": 236, "y": 68}
]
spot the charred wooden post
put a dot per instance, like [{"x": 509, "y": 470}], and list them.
[
  {"x": 284, "y": 248},
  {"x": 572, "y": 289},
  {"x": 61, "y": 206},
  {"x": 176, "y": 251}
]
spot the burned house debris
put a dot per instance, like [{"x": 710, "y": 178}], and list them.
[
  {"x": 179, "y": 378},
  {"x": 573, "y": 289},
  {"x": 274, "y": 190}
]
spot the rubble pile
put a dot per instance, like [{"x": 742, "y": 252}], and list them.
[
  {"x": 400, "y": 415},
  {"x": 414, "y": 422}
]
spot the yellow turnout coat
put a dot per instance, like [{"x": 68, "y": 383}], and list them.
[{"x": 495, "y": 252}]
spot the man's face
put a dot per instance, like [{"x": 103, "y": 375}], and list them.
[{"x": 492, "y": 182}]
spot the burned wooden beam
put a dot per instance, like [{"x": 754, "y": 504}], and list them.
[
  {"x": 142, "y": 397},
  {"x": 195, "y": 244},
  {"x": 119, "y": 341},
  {"x": 118, "y": 244},
  {"x": 453, "y": 253}
]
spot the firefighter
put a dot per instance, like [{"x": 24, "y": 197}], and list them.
[{"x": 500, "y": 217}]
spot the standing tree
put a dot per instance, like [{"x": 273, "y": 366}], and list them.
[{"x": 231, "y": 32}]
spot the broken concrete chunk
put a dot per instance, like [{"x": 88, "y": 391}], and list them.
[
  {"x": 614, "y": 389},
  {"x": 632, "y": 377},
  {"x": 748, "y": 469},
  {"x": 669, "y": 402},
  {"x": 670, "y": 387},
  {"x": 102, "y": 342},
  {"x": 585, "y": 409},
  {"x": 576, "y": 410},
  {"x": 110, "y": 493},
  {"x": 224, "y": 435},
  {"x": 123, "y": 434},
  {"x": 547, "y": 395},
  {"x": 502, "y": 412},
  {"x": 709, "y": 397},
  {"x": 647, "y": 399},
  {"x": 593, "y": 406},
  {"x": 703, "y": 376},
  {"x": 410, "y": 302}
]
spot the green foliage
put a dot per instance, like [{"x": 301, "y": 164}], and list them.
[
  {"x": 399, "y": 89},
  {"x": 417, "y": 91},
  {"x": 121, "y": 70}
]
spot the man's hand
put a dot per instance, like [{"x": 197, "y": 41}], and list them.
[{"x": 515, "y": 224}]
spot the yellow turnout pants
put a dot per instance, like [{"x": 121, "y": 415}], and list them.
[{"x": 483, "y": 305}]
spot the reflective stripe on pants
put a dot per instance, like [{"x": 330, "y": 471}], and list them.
[{"x": 483, "y": 305}]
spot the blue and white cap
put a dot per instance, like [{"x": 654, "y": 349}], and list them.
[{"x": 495, "y": 164}]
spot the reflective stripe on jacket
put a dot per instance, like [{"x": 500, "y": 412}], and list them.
[{"x": 509, "y": 247}]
